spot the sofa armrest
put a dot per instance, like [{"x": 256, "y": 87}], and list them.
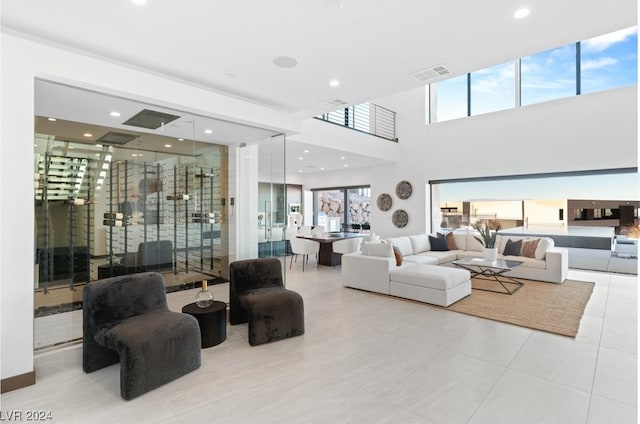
[
  {"x": 367, "y": 272},
  {"x": 557, "y": 262}
]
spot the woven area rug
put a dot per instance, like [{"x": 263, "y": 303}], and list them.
[{"x": 555, "y": 308}]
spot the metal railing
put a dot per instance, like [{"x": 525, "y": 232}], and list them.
[{"x": 365, "y": 117}]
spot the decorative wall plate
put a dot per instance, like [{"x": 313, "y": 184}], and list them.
[
  {"x": 403, "y": 189},
  {"x": 400, "y": 218},
  {"x": 384, "y": 202}
]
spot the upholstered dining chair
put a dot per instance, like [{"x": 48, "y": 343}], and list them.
[
  {"x": 318, "y": 229},
  {"x": 126, "y": 319},
  {"x": 348, "y": 245},
  {"x": 258, "y": 297},
  {"x": 304, "y": 247}
]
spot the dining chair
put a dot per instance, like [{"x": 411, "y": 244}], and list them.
[
  {"x": 304, "y": 247},
  {"x": 344, "y": 246}
]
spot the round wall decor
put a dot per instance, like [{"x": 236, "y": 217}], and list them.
[
  {"x": 403, "y": 189},
  {"x": 400, "y": 218},
  {"x": 384, "y": 202}
]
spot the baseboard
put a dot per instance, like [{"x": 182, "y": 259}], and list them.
[{"x": 17, "y": 382}]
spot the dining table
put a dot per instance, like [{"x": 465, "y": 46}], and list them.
[{"x": 325, "y": 254}]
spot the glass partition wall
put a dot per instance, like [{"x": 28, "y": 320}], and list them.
[{"x": 118, "y": 200}]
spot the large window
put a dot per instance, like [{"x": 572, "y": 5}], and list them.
[
  {"x": 341, "y": 206},
  {"x": 548, "y": 75},
  {"x": 609, "y": 61},
  {"x": 538, "y": 200},
  {"x": 493, "y": 89},
  {"x": 451, "y": 99},
  {"x": 601, "y": 63}
]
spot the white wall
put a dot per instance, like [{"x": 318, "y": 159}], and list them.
[
  {"x": 22, "y": 61},
  {"x": 592, "y": 131}
]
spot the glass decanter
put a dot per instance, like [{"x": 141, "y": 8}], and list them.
[{"x": 204, "y": 297}]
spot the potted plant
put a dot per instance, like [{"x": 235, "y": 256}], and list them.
[{"x": 488, "y": 239}]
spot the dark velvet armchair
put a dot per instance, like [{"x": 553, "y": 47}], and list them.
[
  {"x": 257, "y": 295},
  {"x": 127, "y": 319}
]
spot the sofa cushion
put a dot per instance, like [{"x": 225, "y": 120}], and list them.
[
  {"x": 384, "y": 250},
  {"x": 512, "y": 248},
  {"x": 438, "y": 244},
  {"x": 529, "y": 248},
  {"x": 420, "y": 243},
  {"x": 473, "y": 244},
  {"x": 461, "y": 240},
  {"x": 445, "y": 256},
  {"x": 402, "y": 243},
  {"x": 425, "y": 258}
]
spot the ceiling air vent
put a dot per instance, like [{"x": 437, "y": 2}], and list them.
[
  {"x": 429, "y": 74},
  {"x": 116, "y": 138},
  {"x": 333, "y": 104},
  {"x": 150, "y": 119}
]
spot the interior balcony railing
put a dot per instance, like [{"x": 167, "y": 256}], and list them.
[{"x": 365, "y": 117}]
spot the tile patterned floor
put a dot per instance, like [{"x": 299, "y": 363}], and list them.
[{"x": 373, "y": 359}]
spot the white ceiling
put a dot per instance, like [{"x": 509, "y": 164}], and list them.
[{"x": 371, "y": 46}]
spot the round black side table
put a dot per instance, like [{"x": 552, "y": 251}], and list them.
[{"x": 212, "y": 320}]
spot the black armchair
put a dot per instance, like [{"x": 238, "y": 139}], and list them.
[
  {"x": 257, "y": 295},
  {"x": 127, "y": 319}
]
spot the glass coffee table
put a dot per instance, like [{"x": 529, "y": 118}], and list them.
[{"x": 491, "y": 271}]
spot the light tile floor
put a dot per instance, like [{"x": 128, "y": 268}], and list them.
[{"x": 372, "y": 359}]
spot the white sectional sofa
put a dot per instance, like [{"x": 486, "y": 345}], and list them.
[{"x": 375, "y": 268}]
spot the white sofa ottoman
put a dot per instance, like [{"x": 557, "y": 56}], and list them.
[{"x": 433, "y": 284}]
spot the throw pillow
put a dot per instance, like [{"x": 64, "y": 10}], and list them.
[
  {"x": 513, "y": 248},
  {"x": 398, "y": 255},
  {"x": 438, "y": 244},
  {"x": 544, "y": 245},
  {"x": 451, "y": 241},
  {"x": 529, "y": 248}
]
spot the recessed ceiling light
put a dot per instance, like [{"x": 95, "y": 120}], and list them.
[
  {"x": 181, "y": 139},
  {"x": 208, "y": 131},
  {"x": 334, "y": 83},
  {"x": 306, "y": 150},
  {"x": 115, "y": 114},
  {"x": 300, "y": 158},
  {"x": 285, "y": 62},
  {"x": 342, "y": 157},
  {"x": 52, "y": 119},
  {"x": 322, "y": 168},
  {"x": 168, "y": 145},
  {"x": 87, "y": 135},
  {"x": 521, "y": 13},
  {"x": 346, "y": 164},
  {"x": 35, "y": 145},
  {"x": 300, "y": 170}
]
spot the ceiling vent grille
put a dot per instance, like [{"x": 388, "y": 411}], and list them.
[
  {"x": 333, "y": 104},
  {"x": 150, "y": 119},
  {"x": 116, "y": 138},
  {"x": 427, "y": 75}
]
